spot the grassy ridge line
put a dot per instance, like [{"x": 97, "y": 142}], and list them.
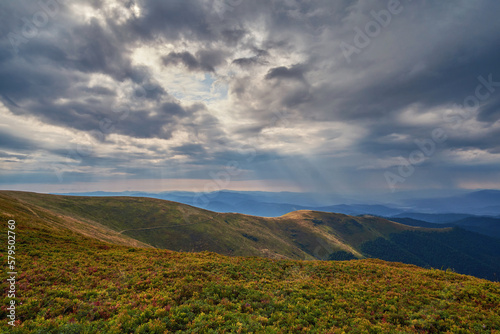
[
  {"x": 297, "y": 235},
  {"x": 69, "y": 283},
  {"x": 33, "y": 216}
]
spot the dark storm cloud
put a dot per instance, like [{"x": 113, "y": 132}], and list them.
[
  {"x": 21, "y": 81},
  {"x": 444, "y": 81},
  {"x": 8, "y": 141},
  {"x": 99, "y": 51},
  {"x": 287, "y": 59},
  {"x": 190, "y": 149},
  {"x": 205, "y": 60},
  {"x": 150, "y": 91},
  {"x": 246, "y": 61},
  {"x": 429, "y": 66},
  {"x": 48, "y": 68},
  {"x": 161, "y": 123},
  {"x": 185, "y": 58},
  {"x": 283, "y": 72},
  {"x": 258, "y": 59},
  {"x": 446, "y": 75},
  {"x": 490, "y": 112},
  {"x": 172, "y": 19}
]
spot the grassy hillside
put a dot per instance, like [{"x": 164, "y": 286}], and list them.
[
  {"x": 163, "y": 224},
  {"x": 302, "y": 235},
  {"x": 175, "y": 226},
  {"x": 73, "y": 283},
  {"x": 14, "y": 205}
]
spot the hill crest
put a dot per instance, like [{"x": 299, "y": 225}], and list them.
[{"x": 301, "y": 235}]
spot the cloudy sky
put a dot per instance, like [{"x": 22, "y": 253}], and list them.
[{"x": 313, "y": 95}]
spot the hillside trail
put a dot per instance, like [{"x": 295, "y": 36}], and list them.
[{"x": 157, "y": 227}]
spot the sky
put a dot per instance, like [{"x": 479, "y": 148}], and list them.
[{"x": 357, "y": 97}]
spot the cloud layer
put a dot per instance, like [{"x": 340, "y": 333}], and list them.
[{"x": 316, "y": 95}]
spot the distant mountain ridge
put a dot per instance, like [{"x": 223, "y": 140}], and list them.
[
  {"x": 301, "y": 234},
  {"x": 489, "y": 226},
  {"x": 266, "y": 204},
  {"x": 482, "y": 203}
]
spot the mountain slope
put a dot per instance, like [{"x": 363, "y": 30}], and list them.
[
  {"x": 457, "y": 249},
  {"x": 164, "y": 224},
  {"x": 489, "y": 226},
  {"x": 19, "y": 205},
  {"x": 73, "y": 283},
  {"x": 418, "y": 223},
  {"x": 298, "y": 235},
  {"x": 484, "y": 225},
  {"x": 437, "y": 218}
]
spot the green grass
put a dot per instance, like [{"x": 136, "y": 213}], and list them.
[
  {"x": 300, "y": 235},
  {"x": 81, "y": 285},
  {"x": 71, "y": 283},
  {"x": 175, "y": 226}
]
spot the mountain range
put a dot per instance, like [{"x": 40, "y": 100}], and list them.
[
  {"x": 482, "y": 203},
  {"x": 303, "y": 234},
  {"x": 473, "y": 211}
]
